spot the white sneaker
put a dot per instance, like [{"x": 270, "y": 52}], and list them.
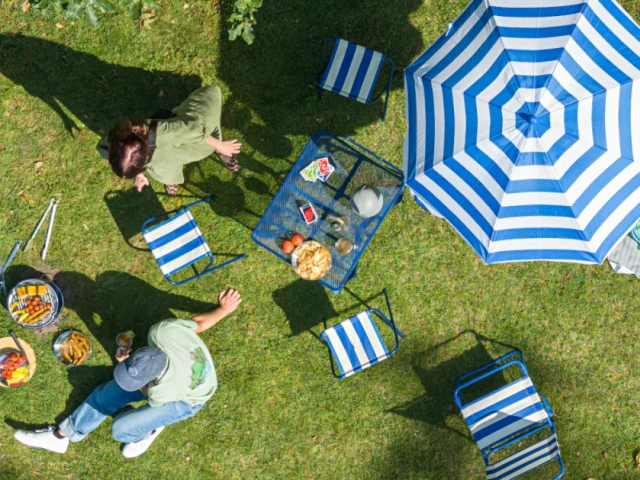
[
  {"x": 133, "y": 450},
  {"x": 42, "y": 439}
]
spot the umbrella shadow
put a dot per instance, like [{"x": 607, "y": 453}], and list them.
[{"x": 96, "y": 92}]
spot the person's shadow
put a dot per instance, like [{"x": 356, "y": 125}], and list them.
[
  {"x": 114, "y": 302},
  {"x": 96, "y": 92}
]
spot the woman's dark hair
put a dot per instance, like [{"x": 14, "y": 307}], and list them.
[{"x": 129, "y": 151}]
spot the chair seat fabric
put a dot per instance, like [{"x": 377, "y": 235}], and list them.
[
  {"x": 504, "y": 412},
  {"x": 525, "y": 460},
  {"x": 352, "y": 71},
  {"x": 356, "y": 344},
  {"x": 177, "y": 243}
]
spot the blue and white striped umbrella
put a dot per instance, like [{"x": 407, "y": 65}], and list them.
[{"x": 524, "y": 128}]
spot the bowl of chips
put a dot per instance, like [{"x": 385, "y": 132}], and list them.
[{"x": 311, "y": 260}]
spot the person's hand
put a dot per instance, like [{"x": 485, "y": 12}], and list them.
[
  {"x": 228, "y": 148},
  {"x": 141, "y": 181},
  {"x": 122, "y": 354},
  {"x": 229, "y": 300}
]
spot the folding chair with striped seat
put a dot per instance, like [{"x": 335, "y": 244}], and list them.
[
  {"x": 353, "y": 71},
  {"x": 506, "y": 417},
  {"x": 178, "y": 243},
  {"x": 356, "y": 343}
]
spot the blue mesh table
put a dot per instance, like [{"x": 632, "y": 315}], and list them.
[{"x": 354, "y": 166}]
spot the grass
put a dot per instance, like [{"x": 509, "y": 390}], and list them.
[{"x": 278, "y": 412}]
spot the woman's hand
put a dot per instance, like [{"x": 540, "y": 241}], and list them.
[
  {"x": 228, "y": 148},
  {"x": 122, "y": 354},
  {"x": 229, "y": 300},
  {"x": 141, "y": 181}
]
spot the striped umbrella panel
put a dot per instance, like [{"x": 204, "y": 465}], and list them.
[{"x": 520, "y": 128}]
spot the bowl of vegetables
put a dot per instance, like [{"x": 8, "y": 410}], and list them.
[{"x": 35, "y": 304}]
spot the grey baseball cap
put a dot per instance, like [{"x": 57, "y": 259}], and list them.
[{"x": 143, "y": 366}]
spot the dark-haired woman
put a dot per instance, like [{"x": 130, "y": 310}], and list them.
[{"x": 162, "y": 147}]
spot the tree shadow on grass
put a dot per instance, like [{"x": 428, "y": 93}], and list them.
[
  {"x": 114, "y": 302},
  {"x": 96, "y": 92},
  {"x": 272, "y": 96}
]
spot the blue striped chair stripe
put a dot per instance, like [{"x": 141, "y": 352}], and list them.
[
  {"x": 355, "y": 344},
  {"x": 352, "y": 71},
  {"x": 525, "y": 460},
  {"x": 505, "y": 412},
  {"x": 177, "y": 243}
]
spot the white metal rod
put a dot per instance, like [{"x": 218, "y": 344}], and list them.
[
  {"x": 35, "y": 230},
  {"x": 49, "y": 231}
]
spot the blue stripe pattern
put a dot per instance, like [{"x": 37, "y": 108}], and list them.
[
  {"x": 526, "y": 460},
  {"x": 355, "y": 344},
  {"x": 520, "y": 128},
  {"x": 352, "y": 71},
  {"x": 189, "y": 244}
]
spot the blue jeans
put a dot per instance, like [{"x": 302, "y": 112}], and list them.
[{"x": 128, "y": 427}]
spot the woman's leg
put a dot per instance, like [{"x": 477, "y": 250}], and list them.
[
  {"x": 105, "y": 400},
  {"x": 135, "y": 425}
]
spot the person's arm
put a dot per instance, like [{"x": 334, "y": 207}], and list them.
[
  {"x": 229, "y": 301},
  {"x": 228, "y": 148}
]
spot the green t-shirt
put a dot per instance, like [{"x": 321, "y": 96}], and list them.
[{"x": 190, "y": 375}]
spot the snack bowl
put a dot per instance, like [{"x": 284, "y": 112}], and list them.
[
  {"x": 311, "y": 260},
  {"x": 60, "y": 348}
]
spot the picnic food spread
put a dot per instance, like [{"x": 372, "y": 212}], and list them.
[{"x": 311, "y": 260}]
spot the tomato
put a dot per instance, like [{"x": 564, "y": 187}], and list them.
[
  {"x": 287, "y": 246},
  {"x": 297, "y": 239}
]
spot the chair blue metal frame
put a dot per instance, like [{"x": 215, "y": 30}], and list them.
[
  {"x": 356, "y": 344},
  {"x": 177, "y": 243},
  {"x": 353, "y": 71},
  {"x": 5, "y": 266},
  {"x": 490, "y": 420}
]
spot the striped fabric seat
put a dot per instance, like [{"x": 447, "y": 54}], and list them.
[
  {"x": 525, "y": 460},
  {"x": 352, "y": 71},
  {"x": 504, "y": 412},
  {"x": 355, "y": 344},
  {"x": 177, "y": 243}
]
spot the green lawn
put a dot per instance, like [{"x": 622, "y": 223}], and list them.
[{"x": 278, "y": 412}]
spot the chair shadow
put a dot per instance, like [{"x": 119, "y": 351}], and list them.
[
  {"x": 129, "y": 209},
  {"x": 307, "y": 304},
  {"x": 436, "y": 405},
  {"x": 96, "y": 92},
  {"x": 113, "y": 302},
  {"x": 229, "y": 198}
]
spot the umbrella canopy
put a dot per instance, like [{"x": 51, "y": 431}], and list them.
[{"x": 524, "y": 123}]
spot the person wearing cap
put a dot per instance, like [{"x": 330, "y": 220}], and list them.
[{"x": 175, "y": 374}]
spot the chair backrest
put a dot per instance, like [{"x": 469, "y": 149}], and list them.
[
  {"x": 356, "y": 343},
  {"x": 352, "y": 71},
  {"x": 525, "y": 460},
  {"x": 505, "y": 412},
  {"x": 177, "y": 242}
]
